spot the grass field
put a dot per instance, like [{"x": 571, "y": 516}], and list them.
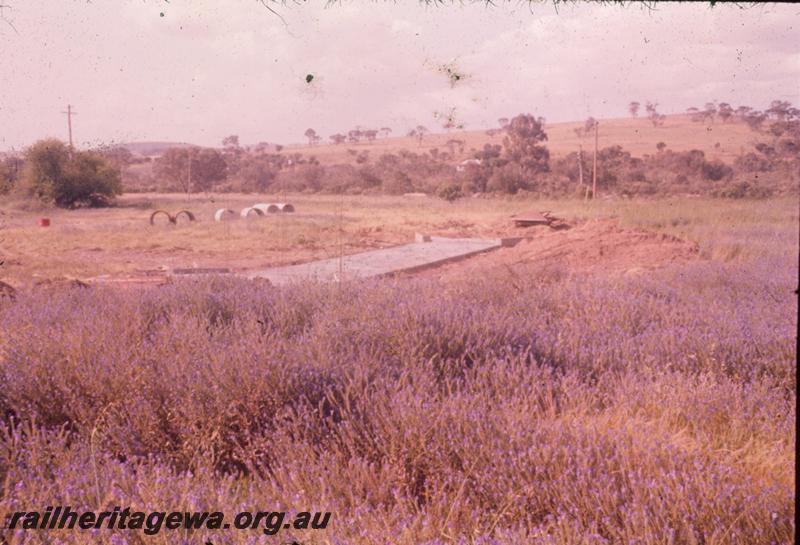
[
  {"x": 554, "y": 409},
  {"x": 120, "y": 240}
]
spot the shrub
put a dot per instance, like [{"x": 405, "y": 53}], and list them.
[
  {"x": 10, "y": 169},
  {"x": 716, "y": 170},
  {"x": 397, "y": 182},
  {"x": 743, "y": 189},
  {"x": 68, "y": 179},
  {"x": 507, "y": 179},
  {"x": 449, "y": 191}
]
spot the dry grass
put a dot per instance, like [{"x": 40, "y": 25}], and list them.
[
  {"x": 638, "y": 136},
  {"x": 657, "y": 408},
  {"x": 120, "y": 240}
]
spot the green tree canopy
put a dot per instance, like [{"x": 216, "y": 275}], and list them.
[
  {"x": 53, "y": 174},
  {"x": 208, "y": 166},
  {"x": 523, "y": 144}
]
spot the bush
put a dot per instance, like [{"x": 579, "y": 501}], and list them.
[
  {"x": 507, "y": 179},
  {"x": 744, "y": 189},
  {"x": 10, "y": 168},
  {"x": 53, "y": 174},
  {"x": 449, "y": 191},
  {"x": 716, "y": 170},
  {"x": 397, "y": 183}
]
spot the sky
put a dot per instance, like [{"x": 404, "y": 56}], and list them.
[{"x": 199, "y": 70}]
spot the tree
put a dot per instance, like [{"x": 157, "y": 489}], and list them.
[
  {"x": 453, "y": 143},
  {"x": 755, "y": 119},
  {"x": 633, "y": 108},
  {"x": 385, "y": 132},
  {"x": 449, "y": 191},
  {"x": 661, "y": 146},
  {"x": 397, "y": 182},
  {"x": 710, "y": 111},
  {"x": 478, "y": 170},
  {"x": 10, "y": 172},
  {"x": 119, "y": 156},
  {"x": 258, "y": 172},
  {"x": 725, "y": 111},
  {"x": 523, "y": 144},
  {"x": 507, "y": 179},
  {"x": 371, "y": 134},
  {"x": 55, "y": 174},
  {"x": 311, "y": 134},
  {"x": 694, "y": 112},
  {"x": 503, "y": 122},
  {"x": 231, "y": 142},
  {"x": 652, "y": 114},
  {"x": 233, "y": 154},
  {"x": 338, "y": 138},
  {"x": 354, "y": 136},
  {"x": 191, "y": 169},
  {"x": 421, "y": 131},
  {"x": 589, "y": 125},
  {"x": 779, "y": 110},
  {"x": 742, "y": 111}
]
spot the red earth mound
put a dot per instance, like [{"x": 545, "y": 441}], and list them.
[{"x": 598, "y": 246}]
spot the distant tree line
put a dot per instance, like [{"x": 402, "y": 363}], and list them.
[
  {"x": 353, "y": 136},
  {"x": 52, "y": 172}
]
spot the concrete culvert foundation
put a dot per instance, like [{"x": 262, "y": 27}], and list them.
[
  {"x": 224, "y": 214},
  {"x": 187, "y": 213},
  {"x": 286, "y": 207},
  {"x": 267, "y": 208},
  {"x": 247, "y": 212},
  {"x": 164, "y": 212}
]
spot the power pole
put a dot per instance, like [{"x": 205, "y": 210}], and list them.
[
  {"x": 69, "y": 113},
  {"x": 594, "y": 163},
  {"x": 189, "y": 174}
]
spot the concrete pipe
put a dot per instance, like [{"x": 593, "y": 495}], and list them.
[
  {"x": 157, "y": 212},
  {"x": 246, "y": 212},
  {"x": 224, "y": 213},
  {"x": 187, "y": 213},
  {"x": 267, "y": 208}
]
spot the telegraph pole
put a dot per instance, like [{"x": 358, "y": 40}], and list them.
[
  {"x": 594, "y": 163},
  {"x": 69, "y": 113},
  {"x": 189, "y": 174}
]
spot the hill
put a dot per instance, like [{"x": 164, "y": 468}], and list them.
[
  {"x": 147, "y": 149},
  {"x": 638, "y": 136}
]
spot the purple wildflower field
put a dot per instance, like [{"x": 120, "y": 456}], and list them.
[{"x": 563, "y": 409}]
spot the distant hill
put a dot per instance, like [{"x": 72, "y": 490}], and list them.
[
  {"x": 638, "y": 136},
  {"x": 146, "y": 149}
]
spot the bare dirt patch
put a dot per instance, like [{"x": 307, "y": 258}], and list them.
[{"x": 597, "y": 246}]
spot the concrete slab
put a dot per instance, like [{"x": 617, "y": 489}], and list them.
[
  {"x": 531, "y": 218},
  {"x": 410, "y": 257}
]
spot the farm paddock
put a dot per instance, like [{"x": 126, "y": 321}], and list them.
[{"x": 625, "y": 380}]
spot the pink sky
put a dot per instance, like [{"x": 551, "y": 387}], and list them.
[{"x": 207, "y": 69}]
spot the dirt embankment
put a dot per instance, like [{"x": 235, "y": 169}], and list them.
[{"x": 597, "y": 246}]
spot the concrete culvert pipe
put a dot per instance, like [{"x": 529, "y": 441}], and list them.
[
  {"x": 187, "y": 213},
  {"x": 286, "y": 207},
  {"x": 246, "y": 212},
  {"x": 157, "y": 212},
  {"x": 267, "y": 208},
  {"x": 224, "y": 214}
]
